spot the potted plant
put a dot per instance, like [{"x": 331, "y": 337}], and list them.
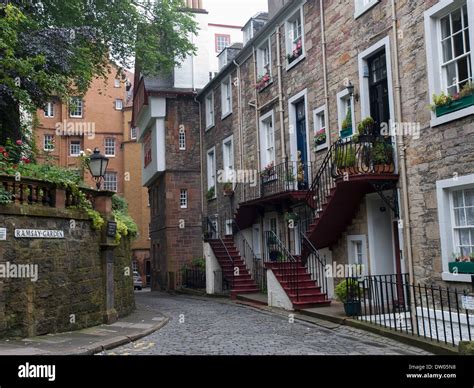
[
  {"x": 366, "y": 130},
  {"x": 263, "y": 81},
  {"x": 444, "y": 104},
  {"x": 297, "y": 51},
  {"x": 291, "y": 216},
  {"x": 345, "y": 160},
  {"x": 348, "y": 292},
  {"x": 382, "y": 157},
  {"x": 268, "y": 172},
  {"x": 462, "y": 263},
  {"x": 320, "y": 138},
  {"x": 228, "y": 189},
  {"x": 346, "y": 126},
  {"x": 211, "y": 193}
]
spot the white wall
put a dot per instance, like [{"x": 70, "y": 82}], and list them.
[
  {"x": 277, "y": 296},
  {"x": 236, "y": 36},
  {"x": 213, "y": 284}
]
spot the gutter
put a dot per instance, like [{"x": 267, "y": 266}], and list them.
[
  {"x": 325, "y": 67},
  {"x": 200, "y": 155},
  {"x": 280, "y": 95},
  {"x": 240, "y": 114}
]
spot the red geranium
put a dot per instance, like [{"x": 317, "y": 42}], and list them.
[{"x": 19, "y": 142}]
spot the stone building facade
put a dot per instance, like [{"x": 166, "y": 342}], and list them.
[{"x": 381, "y": 59}]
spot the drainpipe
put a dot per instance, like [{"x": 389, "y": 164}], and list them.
[
  {"x": 402, "y": 168},
  {"x": 257, "y": 116},
  {"x": 325, "y": 68},
  {"x": 239, "y": 109},
  {"x": 280, "y": 94},
  {"x": 200, "y": 155}
]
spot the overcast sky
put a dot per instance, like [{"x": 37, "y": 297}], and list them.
[{"x": 234, "y": 12}]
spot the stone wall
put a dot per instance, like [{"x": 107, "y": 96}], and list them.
[{"x": 70, "y": 292}]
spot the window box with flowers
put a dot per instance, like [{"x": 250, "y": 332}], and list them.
[
  {"x": 268, "y": 173},
  {"x": 297, "y": 52},
  {"x": 228, "y": 189},
  {"x": 444, "y": 104},
  {"x": 320, "y": 138},
  {"x": 263, "y": 81},
  {"x": 462, "y": 264}
]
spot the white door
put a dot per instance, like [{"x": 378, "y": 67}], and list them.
[{"x": 257, "y": 247}]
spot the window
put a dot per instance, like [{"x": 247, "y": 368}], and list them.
[
  {"x": 228, "y": 158},
  {"x": 211, "y": 169},
  {"x": 49, "y": 109},
  {"x": 321, "y": 135},
  {"x": 362, "y": 6},
  {"x": 463, "y": 225},
  {"x": 117, "y": 83},
  {"x": 118, "y": 104},
  {"x": 264, "y": 59},
  {"x": 109, "y": 147},
  {"x": 133, "y": 133},
  {"x": 357, "y": 254},
  {"x": 449, "y": 59},
  {"x": 456, "y": 67},
  {"x": 345, "y": 110},
  {"x": 209, "y": 110},
  {"x": 183, "y": 199},
  {"x": 222, "y": 41},
  {"x": 222, "y": 59},
  {"x": 295, "y": 38},
  {"x": 267, "y": 139},
  {"x": 226, "y": 97},
  {"x": 455, "y": 200},
  {"x": 229, "y": 230},
  {"x": 48, "y": 142},
  {"x": 76, "y": 107},
  {"x": 135, "y": 265},
  {"x": 75, "y": 148},
  {"x": 182, "y": 139},
  {"x": 110, "y": 181},
  {"x": 357, "y": 251}
]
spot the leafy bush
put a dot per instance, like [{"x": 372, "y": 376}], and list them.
[
  {"x": 382, "y": 153},
  {"x": 347, "y": 290},
  {"x": 126, "y": 226},
  {"x": 345, "y": 157},
  {"x": 119, "y": 203},
  {"x": 5, "y": 196}
]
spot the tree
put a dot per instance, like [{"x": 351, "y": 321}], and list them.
[{"x": 57, "y": 47}]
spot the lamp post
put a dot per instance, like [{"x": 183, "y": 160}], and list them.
[{"x": 97, "y": 166}]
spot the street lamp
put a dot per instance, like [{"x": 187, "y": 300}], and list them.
[{"x": 97, "y": 165}]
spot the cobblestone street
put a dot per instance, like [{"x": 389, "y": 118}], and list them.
[{"x": 200, "y": 326}]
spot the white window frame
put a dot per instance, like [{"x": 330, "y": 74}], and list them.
[
  {"x": 80, "y": 105},
  {"x": 133, "y": 133},
  {"x": 210, "y": 113},
  {"x": 49, "y": 110},
  {"x": 228, "y": 158},
  {"x": 183, "y": 198},
  {"x": 317, "y": 125},
  {"x": 434, "y": 53},
  {"x": 70, "y": 148},
  {"x": 113, "y": 181},
  {"x": 108, "y": 146},
  {"x": 265, "y": 159},
  {"x": 182, "y": 139},
  {"x": 116, "y": 83},
  {"x": 342, "y": 98},
  {"x": 226, "y": 97},
  {"x": 45, "y": 142},
  {"x": 444, "y": 189},
  {"x": 118, "y": 104},
  {"x": 351, "y": 239},
  {"x": 362, "y": 6},
  {"x": 211, "y": 170},
  {"x": 261, "y": 67},
  {"x": 289, "y": 41}
]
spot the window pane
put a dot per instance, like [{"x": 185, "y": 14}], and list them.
[
  {"x": 466, "y": 22},
  {"x": 469, "y": 197},
  {"x": 459, "y": 217},
  {"x": 456, "y": 18},
  {"x": 470, "y": 215},
  {"x": 451, "y": 74},
  {"x": 445, "y": 27},
  {"x": 458, "y": 44},
  {"x": 458, "y": 199},
  {"x": 463, "y": 69},
  {"x": 466, "y": 39},
  {"x": 447, "y": 50},
  {"x": 464, "y": 237}
]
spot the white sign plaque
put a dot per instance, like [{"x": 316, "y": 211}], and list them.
[
  {"x": 468, "y": 302},
  {"x": 3, "y": 234},
  {"x": 38, "y": 233}
]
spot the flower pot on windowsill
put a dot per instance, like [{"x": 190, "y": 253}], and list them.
[
  {"x": 384, "y": 168},
  {"x": 455, "y": 105},
  {"x": 461, "y": 267}
]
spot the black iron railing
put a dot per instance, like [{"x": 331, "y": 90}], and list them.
[
  {"x": 194, "y": 278},
  {"x": 288, "y": 267},
  {"x": 314, "y": 263},
  {"x": 276, "y": 179},
  {"x": 427, "y": 311}
]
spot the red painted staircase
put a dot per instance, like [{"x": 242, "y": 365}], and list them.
[
  {"x": 298, "y": 285},
  {"x": 241, "y": 283}
]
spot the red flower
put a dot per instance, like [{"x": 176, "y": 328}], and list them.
[
  {"x": 25, "y": 159},
  {"x": 1, "y": 150},
  {"x": 19, "y": 142},
  {"x": 5, "y": 154}
]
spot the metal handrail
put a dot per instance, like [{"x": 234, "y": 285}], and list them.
[{"x": 320, "y": 272}]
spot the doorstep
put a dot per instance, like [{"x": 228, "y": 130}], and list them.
[{"x": 257, "y": 298}]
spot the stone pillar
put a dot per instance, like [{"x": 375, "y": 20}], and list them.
[{"x": 103, "y": 204}]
